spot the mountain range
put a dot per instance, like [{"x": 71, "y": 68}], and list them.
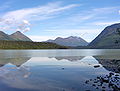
[
  {"x": 17, "y": 36},
  {"x": 71, "y": 41},
  {"x": 108, "y": 38}
]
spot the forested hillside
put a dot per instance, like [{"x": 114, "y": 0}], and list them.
[{"x": 28, "y": 45}]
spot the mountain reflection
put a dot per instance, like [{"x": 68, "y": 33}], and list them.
[
  {"x": 9, "y": 64},
  {"x": 109, "y": 64},
  {"x": 12, "y": 71},
  {"x": 70, "y": 58},
  {"x": 15, "y": 61}
]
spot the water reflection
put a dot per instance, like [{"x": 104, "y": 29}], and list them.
[
  {"x": 112, "y": 53},
  {"x": 11, "y": 67},
  {"x": 70, "y": 58},
  {"x": 47, "y": 73},
  {"x": 15, "y": 61}
]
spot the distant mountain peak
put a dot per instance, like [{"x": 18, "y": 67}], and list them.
[
  {"x": 73, "y": 37},
  {"x": 58, "y": 38},
  {"x": 69, "y": 41},
  {"x": 4, "y": 36},
  {"x": 18, "y": 36},
  {"x": 18, "y": 32}
]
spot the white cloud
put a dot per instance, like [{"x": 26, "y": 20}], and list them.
[
  {"x": 26, "y": 22},
  {"x": 38, "y": 13},
  {"x": 119, "y": 11},
  {"x": 91, "y": 14},
  {"x": 15, "y": 19}
]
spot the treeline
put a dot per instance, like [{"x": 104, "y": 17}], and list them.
[{"x": 29, "y": 45}]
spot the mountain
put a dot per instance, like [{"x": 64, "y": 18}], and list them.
[
  {"x": 69, "y": 41},
  {"x": 108, "y": 38},
  {"x": 18, "y": 36},
  {"x": 4, "y": 36}
]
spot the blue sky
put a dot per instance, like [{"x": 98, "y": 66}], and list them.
[{"x": 48, "y": 19}]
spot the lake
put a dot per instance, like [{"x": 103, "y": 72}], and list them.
[{"x": 60, "y": 70}]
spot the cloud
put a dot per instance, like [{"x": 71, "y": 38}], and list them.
[
  {"x": 11, "y": 24},
  {"x": 38, "y": 13},
  {"x": 26, "y": 29},
  {"x": 20, "y": 18},
  {"x": 26, "y": 22},
  {"x": 24, "y": 26},
  {"x": 91, "y": 14},
  {"x": 88, "y": 17}
]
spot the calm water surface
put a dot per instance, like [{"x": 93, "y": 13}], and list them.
[{"x": 60, "y": 70}]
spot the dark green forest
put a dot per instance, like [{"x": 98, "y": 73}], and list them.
[{"x": 29, "y": 45}]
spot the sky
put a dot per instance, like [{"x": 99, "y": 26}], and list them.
[{"x": 47, "y": 19}]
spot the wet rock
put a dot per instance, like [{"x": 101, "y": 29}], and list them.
[
  {"x": 86, "y": 81},
  {"x": 110, "y": 74},
  {"x": 93, "y": 85},
  {"x": 116, "y": 75},
  {"x": 98, "y": 77},
  {"x": 95, "y": 82},
  {"x": 110, "y": 81},
  {"x": 96, "y": 66},
  {"x": 103, "y": 87}
]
